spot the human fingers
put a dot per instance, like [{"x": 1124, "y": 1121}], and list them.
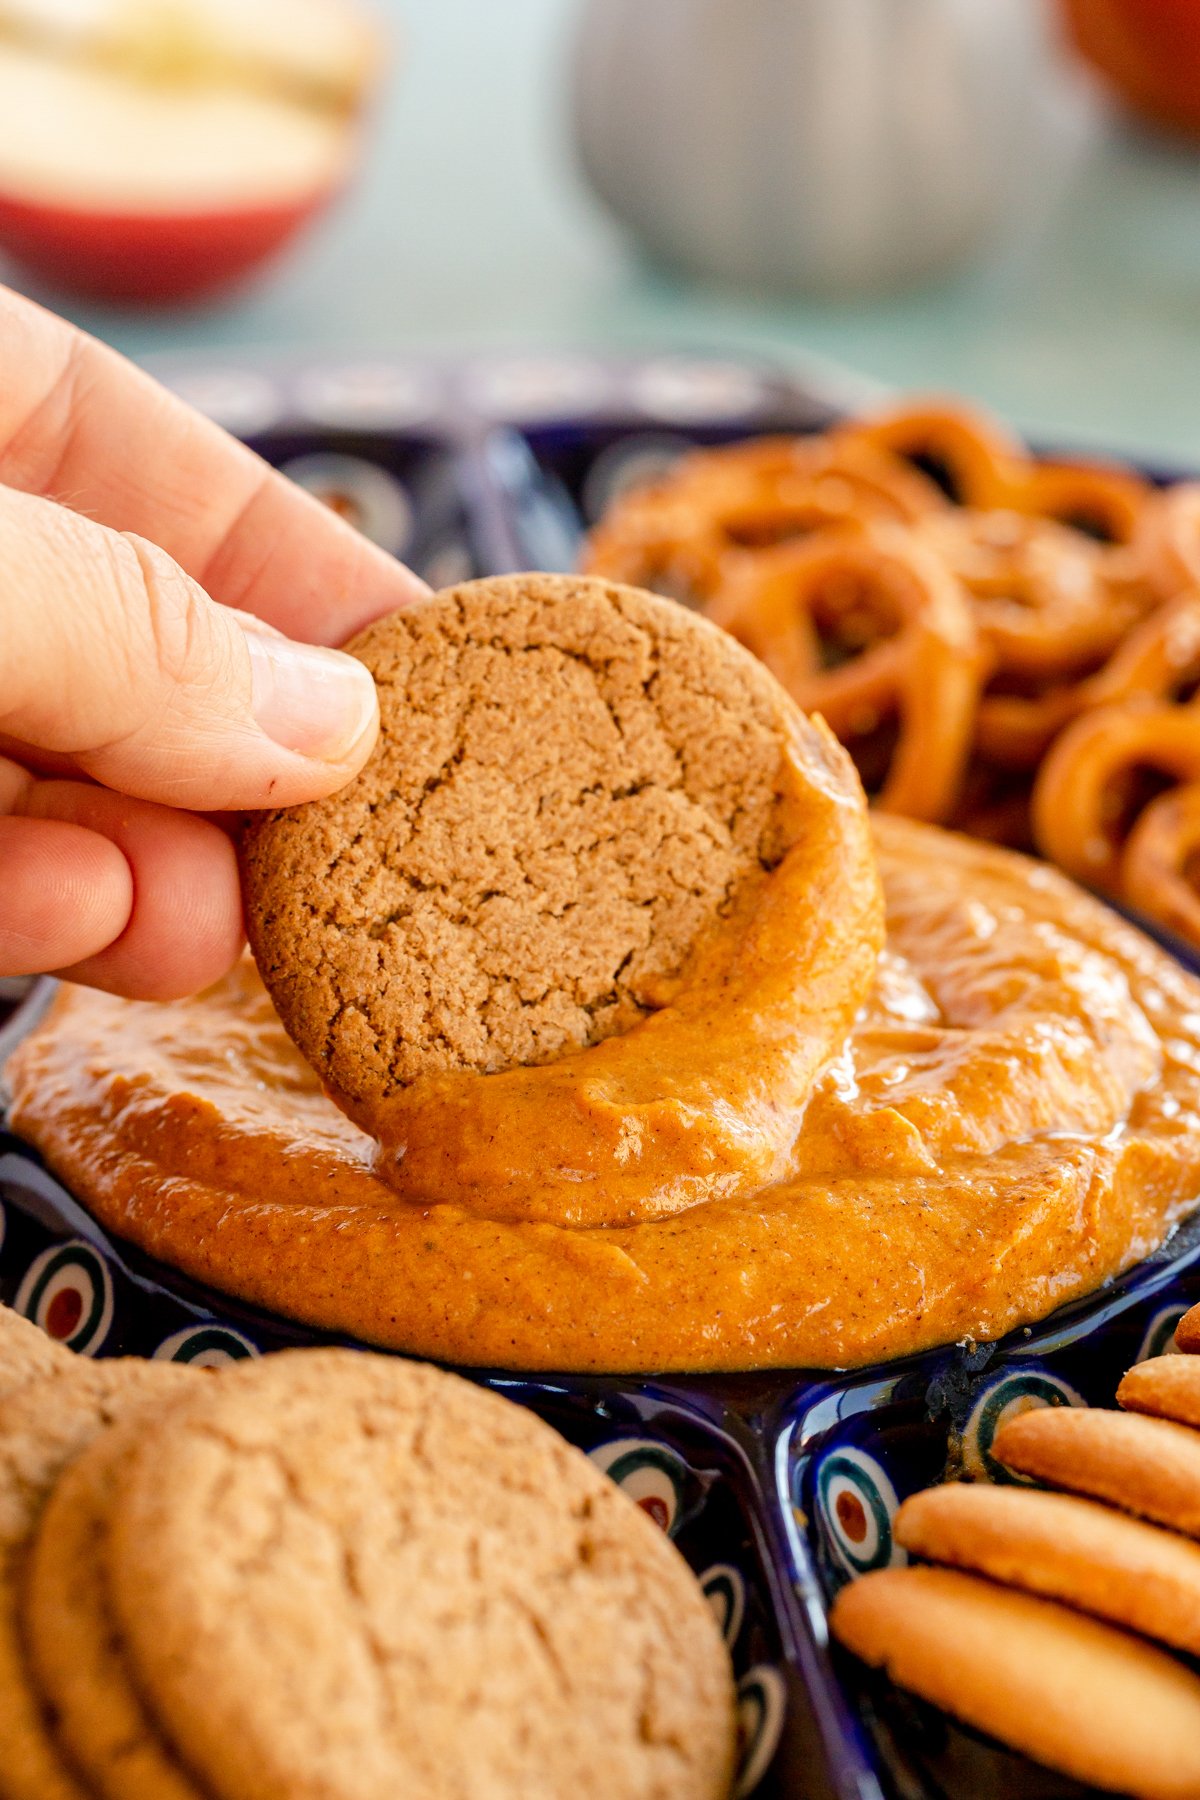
[
  {"x": 117, "y": 659},
  {"x": 80, "y": 424},
  {"x": 156, "y": 890}
]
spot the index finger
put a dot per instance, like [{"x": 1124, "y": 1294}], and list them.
[{"x": 81, "y": 425}]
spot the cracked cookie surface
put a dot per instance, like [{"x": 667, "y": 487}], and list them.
[
  {"x": 26, "y": 1352},
  {"x": 43, "y": 1426},
  {"x": 341, "y": 1575},
  {"x": 573, "y": 780}
]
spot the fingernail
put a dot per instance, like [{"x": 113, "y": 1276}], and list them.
[{"x": 316, "y": 702}]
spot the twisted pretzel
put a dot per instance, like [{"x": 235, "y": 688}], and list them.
[
  {"x": 1159, "y": 658},
  {"x": 1039, "y": 591},
  {"x": 986, "y": 468},
  {"x": 842, "y": 478},
  {"x": 966, "y": 617},
  {"x": 1168, "y": 539},
  {"x": 1092, "y": 497},
  {"x": 978, "y": 460},
  {"x": 899, "y": 624},
  {"x": 659, "y": 538},
  {"x": 1159, "y": 873},
  {"x": 678, "y": 535},
  {"x": 1089, "y": 783}
]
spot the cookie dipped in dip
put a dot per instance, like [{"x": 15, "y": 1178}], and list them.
[{"x": 602, "y": 1055}]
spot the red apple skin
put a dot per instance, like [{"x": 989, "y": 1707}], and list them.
[
  {"x": 1148, "y": 50},
  {"x": 149, "y": 258}
]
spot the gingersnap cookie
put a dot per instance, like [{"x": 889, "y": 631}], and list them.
[
  {"x": 573, "y": 780},
  {"x": 75, "y": 1652},
  {"x": 1075, "y": 1694},
  {"x": 43, "y": 1425},
  {"x": 1167, "y": 1386},
  {"x": 1146, "y": 1466},
  {"x": 1187, "y": 1332},
  {"x": 338, "y": 1574},
  {"x": 1065, "y": 1549},
  {"x": 26, "y": 1352}
]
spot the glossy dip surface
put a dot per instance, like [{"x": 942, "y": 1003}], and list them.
[{"x": 1014, "y": 1117}]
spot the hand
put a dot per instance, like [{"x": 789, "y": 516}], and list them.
[{"x": 149, "y": 566}]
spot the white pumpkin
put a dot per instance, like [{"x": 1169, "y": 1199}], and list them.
[{"x": 817, "y": 144}]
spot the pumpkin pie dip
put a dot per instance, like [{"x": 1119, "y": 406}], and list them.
[
  {"x": 820, "y": 1139},
  {"x": 1014, "y": 1118}
]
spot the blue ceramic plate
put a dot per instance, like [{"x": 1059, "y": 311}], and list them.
[{"x": 776, "y": 1488}]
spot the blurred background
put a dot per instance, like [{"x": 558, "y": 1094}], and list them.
[{"x": 927, "y": 193}]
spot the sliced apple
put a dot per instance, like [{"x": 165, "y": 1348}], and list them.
[
  {"x": 320, "y": 50},
  {"x": 161, "y": 148}
]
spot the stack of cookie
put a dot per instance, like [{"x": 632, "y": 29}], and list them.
[
  {"x": 1041, "y": 1619},
  {"x": 337, "y": 1574}
]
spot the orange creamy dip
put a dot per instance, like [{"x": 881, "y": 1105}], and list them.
[{"x": 1014, "y": 1117}]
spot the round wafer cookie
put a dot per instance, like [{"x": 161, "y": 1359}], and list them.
[
  {"x": 1146, "y": 1466},
  {"x": 1187, "y": 1332},
  {"x": 1069, "y": 1691},
  {"x": 1064, "y": 1548},
  {"x": 1167, "y": 1386}
]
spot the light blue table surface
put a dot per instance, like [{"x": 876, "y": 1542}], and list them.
[{"x": 470, "y": 228}]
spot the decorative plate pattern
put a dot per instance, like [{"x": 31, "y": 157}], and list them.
[
  {"x": 1159, "y": 1336},
  {"x": 208, "y": 1346},
  {"x": 394, "y": 395},
  {"x": 626, "y": 463},
  {"x": 68, "y": 1291},
  {"x": 241, "y": 400},
  {"x": 21, "y": 1000},
  {"x": 762, "y": 1707},
  {"x": 538, "y": 387},
  {"x": 650, "y": 1473},
  {"x": 1016, "y": 1391},
  {"x": 725, "y": 1590},
  {"x": 366, "y": 496},
  {"x": 856, "y": 1504},
  {"x": 694, "y": 390},
  {"x": 449, "y": 564}
]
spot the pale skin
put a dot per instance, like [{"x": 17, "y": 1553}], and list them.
[{"x": 162, "y": 594}]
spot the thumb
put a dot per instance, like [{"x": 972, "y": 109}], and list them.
[{"x": 112, "y": 655}]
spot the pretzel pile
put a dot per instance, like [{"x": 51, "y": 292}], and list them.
[{"x": 1006, "y": 645}]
